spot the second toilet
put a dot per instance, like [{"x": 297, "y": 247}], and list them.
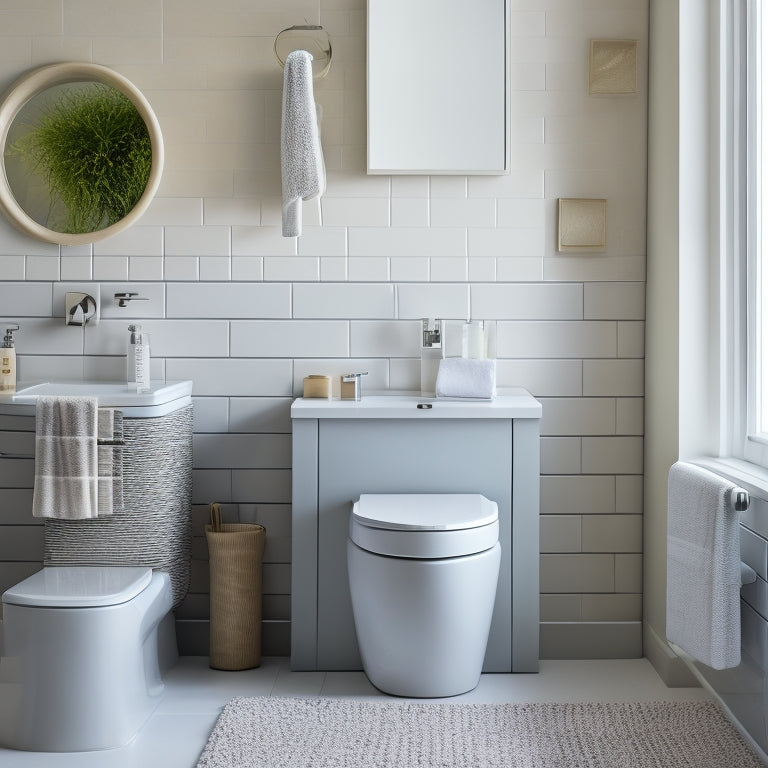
[{"x": 423, "y": 570}]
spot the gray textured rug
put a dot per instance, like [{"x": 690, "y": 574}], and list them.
[{"x": 343, "y": 733}]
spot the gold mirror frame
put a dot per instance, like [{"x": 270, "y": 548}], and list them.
[{"x": 35, "y": 82}]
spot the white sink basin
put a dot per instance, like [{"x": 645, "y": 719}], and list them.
[
  {"x": 162, "y": 396},
  {"x": 112, "y": 394}
]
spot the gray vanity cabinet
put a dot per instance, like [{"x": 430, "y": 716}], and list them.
[{"x": 385, "y": 445}]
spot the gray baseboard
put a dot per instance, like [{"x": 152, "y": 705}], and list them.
[
  {"x": 668, "y": 665},
  {"x": 192, "y": 636},
  {"x": 558, "y": 640},
  {"x": 591, "y": 640}
]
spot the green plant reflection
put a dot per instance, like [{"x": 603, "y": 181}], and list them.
[{"x": 78, "y": 157}]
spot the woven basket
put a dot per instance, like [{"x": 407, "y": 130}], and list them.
[{"x": 235, "y": 553}]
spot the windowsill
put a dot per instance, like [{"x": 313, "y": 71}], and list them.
[{"x": 752, "y": 477}]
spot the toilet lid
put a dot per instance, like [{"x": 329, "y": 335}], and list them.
[
  {"x": 424, "y": 526},
  {"x": 80, "y": 586},
  {"x": 425, "y": 511}
]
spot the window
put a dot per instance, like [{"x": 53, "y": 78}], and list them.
[
  {"x": 754, "y": 241},
  {"x": 744, "y": 220}
]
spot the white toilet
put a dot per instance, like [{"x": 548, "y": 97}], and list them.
[
  {"x": 423, "y": 570},
  {"x": 83, "y": 654}
]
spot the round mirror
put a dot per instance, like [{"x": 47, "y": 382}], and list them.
[{"x": 82, "y": 153}]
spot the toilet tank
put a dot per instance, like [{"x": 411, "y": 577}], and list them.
[
  {"x": 388, "y": 444},
  {"x": 154, "y": 528}
]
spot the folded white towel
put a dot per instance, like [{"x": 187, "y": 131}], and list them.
[
  {"x": 66, "y": 458},
  {"x": 303, "y": 168},
  {"x": 703, "y": 566},
  {"x": 466, "y": 377}
]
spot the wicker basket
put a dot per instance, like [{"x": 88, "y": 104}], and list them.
[{"x": 235, "y": 553}]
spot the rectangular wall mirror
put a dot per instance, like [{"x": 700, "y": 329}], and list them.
[{"x": 438, "y": 91}]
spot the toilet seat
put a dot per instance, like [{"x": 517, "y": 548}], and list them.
[
  {"x": 79, "y": 586},
  {"x": 424, "y": 525}
]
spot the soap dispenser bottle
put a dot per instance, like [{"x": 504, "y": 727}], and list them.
[
  {"x": 432, "y": 352},
  {"x": 138, "y": 359},
  {"x": 8, "y": 362}
]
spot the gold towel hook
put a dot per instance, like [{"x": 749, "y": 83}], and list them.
[{"x": 306, "y": 37}]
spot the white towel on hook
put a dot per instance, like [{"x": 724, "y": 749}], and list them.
[
  {"x": 66, "y": 458},
  {"x": 301, "y": 153},
  {"x": 703, "y": 566}
]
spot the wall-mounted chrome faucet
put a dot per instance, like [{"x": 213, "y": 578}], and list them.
[
  {"x": 79, "y": 308},
  {"x": 122, "y": 299}
]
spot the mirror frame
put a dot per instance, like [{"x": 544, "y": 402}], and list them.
[{"x": 36, "y": 81}]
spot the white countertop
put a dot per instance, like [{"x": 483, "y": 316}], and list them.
[{"x": 518, "y": 404}]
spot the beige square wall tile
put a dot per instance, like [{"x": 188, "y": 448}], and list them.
[
  {"x": 629, "y": 495},
  {"x": 581, "y": 224},
  {"x": 612, "y": 66},
  {"x": 612, "y": 533},
  {"x": 560, "y": 533},
  {"x": 577, "y": 573},
  {"x": 629, "y": 573},
  {"x": 612, "y": 455},
  {"x": 578, "y": 495}
]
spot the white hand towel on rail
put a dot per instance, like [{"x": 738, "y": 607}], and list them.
[
  {"x": 466, "y": 377},
  {"x": 703, "y": 566},
  {"x": 66, "y": 458},
  {"x": 301, "y": 153}
]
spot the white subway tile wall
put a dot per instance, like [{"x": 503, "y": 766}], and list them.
[{"x": 246, "y": 313}]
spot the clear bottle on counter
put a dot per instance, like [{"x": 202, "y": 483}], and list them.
[
  {"x": 138, "y": 359},
  {"x": 473, "y": 340}
]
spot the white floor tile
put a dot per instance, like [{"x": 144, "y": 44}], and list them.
[{"x": 176, "y": 733}]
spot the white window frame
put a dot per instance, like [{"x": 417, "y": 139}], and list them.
[
  {"x": 741, "y": 274},
  {"x": 750, "y": 261}
]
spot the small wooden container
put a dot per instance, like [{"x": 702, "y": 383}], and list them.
[{"x": 317, "y": 386}]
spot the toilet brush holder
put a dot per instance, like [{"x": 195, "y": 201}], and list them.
[{"x": 235, "y": 553}]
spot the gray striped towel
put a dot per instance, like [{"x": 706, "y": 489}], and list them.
[{"x": 66, "y": 458}]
